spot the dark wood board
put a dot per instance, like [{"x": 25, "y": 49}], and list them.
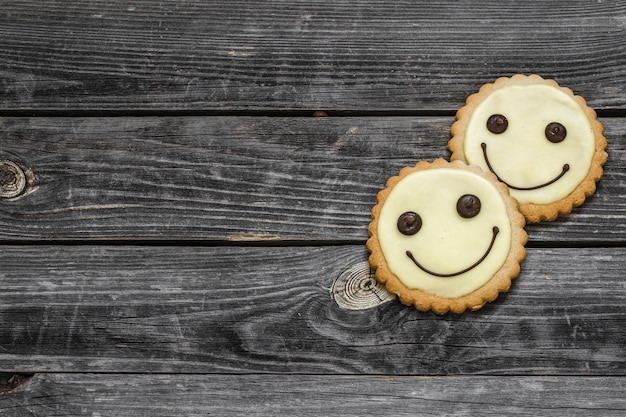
[
  {"x": 313, "y": 395},
  {"x": 239, "y": 309},
  {"x": 191, "y": 241},
  {"x": 227, "y": 56},
  {"x": 243, "y": 178}
]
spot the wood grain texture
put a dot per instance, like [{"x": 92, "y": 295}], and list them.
[
  {"x": 289, "y": 55},
  {"x": 313, "y": 395},
  {"x": 262, "y": 309},
  {"x": 243, "y": 178},
  {"x": 186, "y": 263}
]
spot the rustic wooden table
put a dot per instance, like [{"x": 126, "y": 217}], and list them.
[{"x": 190, "y": 240}]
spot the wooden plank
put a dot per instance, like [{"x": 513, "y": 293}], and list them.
[
  {"x": 237, "y": 55},
  {"x": 314, "y": 395},
  {"x": 239, "y": 178},
  {"x": 245, "y": 309}
]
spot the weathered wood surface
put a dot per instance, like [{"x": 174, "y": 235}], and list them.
[
  {"x": 205, "y": 248},
  {"x": 243, "y": 178},
  {"x": 270, "y": 309},
  {"x": 292, "y": 55},
  {"x": 314, "y": 395}
]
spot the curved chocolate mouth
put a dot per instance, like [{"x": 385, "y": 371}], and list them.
[
  {"x": 552, "y": 181},
  {"x": 474, "y": 265}
]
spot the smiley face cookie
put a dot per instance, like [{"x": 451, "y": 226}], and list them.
[
  {"x": 446, "y": 237},
  {"x": 538, "y": 138}
]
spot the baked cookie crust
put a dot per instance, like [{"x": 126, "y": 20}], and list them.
[
  {"x": 534, "y": 211},
  {"x": 424, "y": 300}
]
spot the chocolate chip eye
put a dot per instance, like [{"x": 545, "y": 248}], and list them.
[
  {"x": 497, "y": 123},
  {"x": 409, "y": 223},
  {"x": 468, "y": 206},
  {"x": 555, "y": 132}
]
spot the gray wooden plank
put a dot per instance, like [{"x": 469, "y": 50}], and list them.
[
  {"x": 245, "y": 309},
  {"x": 240, "y": 178},
  {"x": 286, "y": 55},
  {"x": 313, "y": 395}
]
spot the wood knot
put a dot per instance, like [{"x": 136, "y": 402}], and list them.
[
  {"x": 10, "y": 381},
  {"x": 357, "y": 289},
  {"x": 12, "y": 180}
]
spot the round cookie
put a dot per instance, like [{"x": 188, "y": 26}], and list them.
[
  {"x": 446, "y": 236},
  {"x": 538, "y": 138}
]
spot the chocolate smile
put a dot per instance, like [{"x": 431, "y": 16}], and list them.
[
  {"x": 474, "y": 265},
  {"x": 552, "y": 181}
]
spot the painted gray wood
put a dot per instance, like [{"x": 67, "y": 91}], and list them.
[
  {"x": 243, "y": 178},
  {"x": 244, "y": 309},
  {"x": 313, "y": 395},
  {"x": 291, "y": 55}
]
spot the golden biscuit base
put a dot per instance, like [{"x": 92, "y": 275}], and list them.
[
  {"x": 536, "y": 212},
  {"x": 424, "y": 301}
]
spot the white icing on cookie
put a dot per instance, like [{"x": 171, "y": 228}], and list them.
[
  {"x": 537, "y": 170},
  {"x": 446, "y": 243}
]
